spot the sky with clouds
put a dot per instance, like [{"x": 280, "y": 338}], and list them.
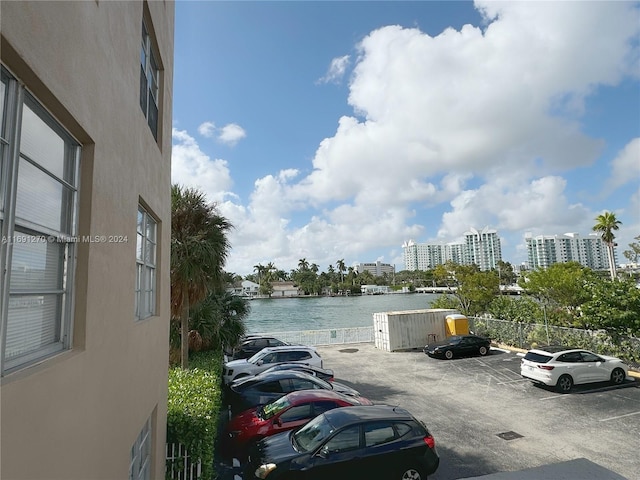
[{"x": 339, "y": 130}]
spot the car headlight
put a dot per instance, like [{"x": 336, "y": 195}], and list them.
[{"x": 263, "y": 470}]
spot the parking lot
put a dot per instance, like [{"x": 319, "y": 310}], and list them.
[{"x": 488, "y": 419}]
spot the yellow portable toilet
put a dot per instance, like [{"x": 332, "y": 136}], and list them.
[{"x": 456, "y": 324}]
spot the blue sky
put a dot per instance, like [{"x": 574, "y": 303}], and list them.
[{"x": 339, "y": 130}]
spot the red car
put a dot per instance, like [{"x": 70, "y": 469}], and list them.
[{"x": 286, "y": 413}]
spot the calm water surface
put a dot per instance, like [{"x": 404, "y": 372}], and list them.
[{"x": 312, "y": 313}]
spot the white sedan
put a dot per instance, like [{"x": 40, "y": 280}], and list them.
[{"x": 564, "y": 368}]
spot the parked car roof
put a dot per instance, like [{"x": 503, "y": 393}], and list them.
[
  {"x": 245, "y": 382},
  {"x": 317, "y": 371},
  {"x": 340, "y": 417}
]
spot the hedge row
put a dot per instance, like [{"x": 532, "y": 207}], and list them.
[{"x": 193, "y": 408}]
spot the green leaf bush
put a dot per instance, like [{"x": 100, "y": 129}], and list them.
[
  {"x": 193, "y": 408},
  {"x": 531, "y": 335}
]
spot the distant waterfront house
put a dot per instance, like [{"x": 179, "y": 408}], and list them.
[
  {"x": 374, "y": 289},
  {"x": 285, "y": 289},
  {"x": 85, "y": 214},
  {"x": 250, "y": 289}
]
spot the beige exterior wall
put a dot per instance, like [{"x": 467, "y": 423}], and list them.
[{"x": 77, "y": 415}]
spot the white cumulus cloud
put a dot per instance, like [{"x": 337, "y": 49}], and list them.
[
  {"x": 190, "y": 166},
  {"x": 472, "y": 127},
  {"x": 337, "y": 70},
  {"x": 231, "y": 134}
]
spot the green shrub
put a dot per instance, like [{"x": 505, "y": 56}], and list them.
[{"x": 193, "y": 407}]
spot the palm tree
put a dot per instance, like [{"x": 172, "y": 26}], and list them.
[
  {"x": 606, "y": 223},
  {"x": 199, "y": 248},
  {"x": 218, "y": 320},
  {"x": 303, "y": 264},
  {"x": 260, "y": 269},
  {"x": 341, "y": 268}
]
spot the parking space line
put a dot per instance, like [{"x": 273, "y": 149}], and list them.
[
  {"x": 619, "y": 416},
  {"x": 506, "y": 375}
]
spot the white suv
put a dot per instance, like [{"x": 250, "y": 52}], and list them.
[
  {"x": 268, "y": 357},
  {"x": 564, "y": 368}
]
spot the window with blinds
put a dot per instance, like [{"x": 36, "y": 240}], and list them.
[{"x": 38, "y": 219}]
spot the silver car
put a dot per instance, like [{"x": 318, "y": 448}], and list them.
[{"x": 268, "y": 357}]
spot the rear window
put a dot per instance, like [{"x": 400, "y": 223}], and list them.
[{"x": 537, "y": 357}]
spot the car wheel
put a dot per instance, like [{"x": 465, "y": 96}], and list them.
[
  {"x": 617, "y": 376},
  {"x": 241, "y": 375},
  {"x": 411, "y": 473},
  {"x": 448, "y": 354},
  {"x": 565, "y": 383},
  {"x": 483, "y": 350}
]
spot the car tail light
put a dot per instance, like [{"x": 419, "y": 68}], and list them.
[
  {"x": 545, "y": 367},
  {"x": 430, "y": 441}
]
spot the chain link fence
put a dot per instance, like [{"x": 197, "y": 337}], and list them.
[{"x": 530, "y": 335}]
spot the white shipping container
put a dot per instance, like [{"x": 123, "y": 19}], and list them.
[{"x": 409, "y": 329}]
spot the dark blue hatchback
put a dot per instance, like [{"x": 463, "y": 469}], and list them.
[{"x": 373, "y": 442}]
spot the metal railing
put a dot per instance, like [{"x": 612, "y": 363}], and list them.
[
  {"x": 333, "y": 336},
  {"x": 179, "y": 466}
]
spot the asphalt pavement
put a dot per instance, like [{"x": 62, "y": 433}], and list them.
[
  {"x": 488, "y": 420},
  {"x": 492, "y": 424}
]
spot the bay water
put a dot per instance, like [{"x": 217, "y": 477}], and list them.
[{"x": 319, "y": 313}]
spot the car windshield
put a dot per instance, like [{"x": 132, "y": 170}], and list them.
[
  {"x": 322, "y": 383},
  {"x": 273, "y": 408},
  {"x": 311, "y": 436},
  {"x": 537, "y": 357},
  {"x": 257, "y": 357}
]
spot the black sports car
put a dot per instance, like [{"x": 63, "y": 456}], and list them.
[
  {"x": 459, "y": 346},
  {"x": 377, "y": 442}
]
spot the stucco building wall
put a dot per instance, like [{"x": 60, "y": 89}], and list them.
[{"x": 76, "y": 415}]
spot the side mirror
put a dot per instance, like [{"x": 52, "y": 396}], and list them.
[
  {"x": 277, "y": 422},
  {"x": 323, "y": 452},
  {"x": 259, "y": 362}
]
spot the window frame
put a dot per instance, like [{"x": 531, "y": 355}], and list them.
[
  {"x": 150, "y": 77},
  {"x": 146, "y": 291},
  {"x": 55, "y": 331},
  {"x": 141, "y": 453}
]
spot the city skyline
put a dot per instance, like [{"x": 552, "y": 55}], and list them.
[{"x": 338, "y": 130}]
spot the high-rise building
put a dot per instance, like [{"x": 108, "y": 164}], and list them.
[
  {"x": 85, "y": 215},
  {"x": 481, "y": 248},
  {"x": 377, "y": 269},
  {"x": 545, "y": 250}
]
